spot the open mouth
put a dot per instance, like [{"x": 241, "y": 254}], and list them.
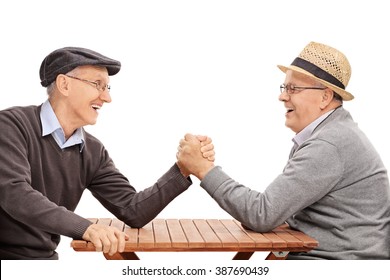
[{"x": 96, "y": 107}]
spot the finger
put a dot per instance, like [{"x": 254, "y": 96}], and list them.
[
  {"x": 98, "y": 244},
  {"x": 122, "y": 241},
  {"x": 187, "y": 136},
  {"x": 92, "y": 235},
  {"x": 113, "y": 243},
  {"x": 206, "y": 140},
  {"x": 201, "y": 137},
  {"x": 211, "y": 158},
  {"x": 207, "y": 148},
  {"x": 208, "y": 154},
  {"x": 106, "y": 244}
]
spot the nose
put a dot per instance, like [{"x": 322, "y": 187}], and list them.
[
  {"x": 284, "y": 96},
  {"x": 106, "y": 96}
]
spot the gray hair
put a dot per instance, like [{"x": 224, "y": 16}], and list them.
[
  {"x": 50, "y": 88},
  {"x": 336, "y": 96}
]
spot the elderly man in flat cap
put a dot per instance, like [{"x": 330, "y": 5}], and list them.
[
  {"x": 47, "y": 160},
  {"x": 334, "y": 187}
]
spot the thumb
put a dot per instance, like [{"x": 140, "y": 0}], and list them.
[
  {"x": 189, "y": 137},
  {"x": 201, "y": 138}
]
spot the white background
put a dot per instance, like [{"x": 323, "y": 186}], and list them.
[{"x": 204, "y": 67}]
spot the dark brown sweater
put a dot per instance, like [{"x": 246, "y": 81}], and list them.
[{"x": 41, "y": 185}]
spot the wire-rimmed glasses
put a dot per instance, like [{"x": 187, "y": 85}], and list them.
[{"x": 97, "y": 84}]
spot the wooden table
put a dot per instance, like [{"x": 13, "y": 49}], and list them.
[{"x": 203, "y": 235}]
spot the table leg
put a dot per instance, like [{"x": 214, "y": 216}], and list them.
[
  {"x": 277, "y": 256},
  {"x": 243, "y": 256},
  {"x": 122, "y": 256}
]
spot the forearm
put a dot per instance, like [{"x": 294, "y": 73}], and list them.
[
  {"x": 259, "y": 211},
  {"x": 138, "y": 208}
]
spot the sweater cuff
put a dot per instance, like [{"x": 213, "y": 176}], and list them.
[
  {"x": 80, "y": 228},
  {"x": 175, "y": 172},
  {"x": 213, "y": 180}
]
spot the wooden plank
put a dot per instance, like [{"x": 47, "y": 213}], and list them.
[
  {"x": 176, "y": 232},
  {"x": 161, "y": 234},
  {"x": 228, "y": 240},
  {"x": 193, "y": 236},
  {"x": 307, "y": 240},
  {"x": 260, "y": 240},
  {"x": 93, "y": 220},
  {"x": 132, "y": 242},
  {"x": 208, "y": 235},
  {"x": 292, "y": 241},
  {"x": 79, "y": 245},
  {"x": 118, "y": 224},
  {"x": 238, "y": 232},
  {"x": 277, "y": 242},
  {"x": 104, "y": 221},
  {"x": 146, "y": 237}
]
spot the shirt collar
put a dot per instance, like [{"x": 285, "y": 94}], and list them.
[
  {"x": 308, "y": 130},
  {"x": 51, "y": 125}
]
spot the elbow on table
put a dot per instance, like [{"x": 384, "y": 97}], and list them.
[
  {"x": 136, "y": 218},
  {"x": 259, "y": 227},
  {"x": 136, "y": 223}
]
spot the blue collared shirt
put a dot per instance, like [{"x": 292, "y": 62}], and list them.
[
  {"x": 308, "y": 130},
  {"x": 51, "y": 125}
]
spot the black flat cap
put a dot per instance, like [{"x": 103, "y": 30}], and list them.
[{"x": 63, "y": 60}]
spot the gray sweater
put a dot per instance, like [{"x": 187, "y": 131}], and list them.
[
  {"x": 334, "y": 188},
  {"x": 41, "y": 185}
]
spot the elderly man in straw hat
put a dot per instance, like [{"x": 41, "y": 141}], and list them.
[
  {"x": 334, "y": 187},
  {"x": 47, "y": 160}
]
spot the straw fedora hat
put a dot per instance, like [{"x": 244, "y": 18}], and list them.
[{"x": 325, "y": 64}]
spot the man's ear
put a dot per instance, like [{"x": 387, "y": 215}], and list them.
[
  {"x": 62, "y": 83},
  {"x": 327, "y": 97}
]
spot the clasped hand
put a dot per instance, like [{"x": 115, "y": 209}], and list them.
[{"x": 195, "y": 155}]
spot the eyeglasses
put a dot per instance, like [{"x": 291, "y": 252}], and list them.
[
  {"x": 290, "y": 89},
  {"x": 97, "y": 84}
]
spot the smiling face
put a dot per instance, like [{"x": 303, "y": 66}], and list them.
[
  {"x": 85, "y": 99},
  {"x": 304, "y": 105},
  {"x": 77, "y": 98}
]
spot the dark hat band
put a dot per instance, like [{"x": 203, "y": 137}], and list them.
[{"x": 316, "y": 71}]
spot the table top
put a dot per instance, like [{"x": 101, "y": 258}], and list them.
[{"x": 169, "y": 235}]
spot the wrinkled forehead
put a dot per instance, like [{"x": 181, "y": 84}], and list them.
[
  {"x": 294, "y": 77},
  {"x": 92, "y": 71}
]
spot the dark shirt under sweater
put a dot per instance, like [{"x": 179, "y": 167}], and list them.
[{"x": 41, "y": 185}]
